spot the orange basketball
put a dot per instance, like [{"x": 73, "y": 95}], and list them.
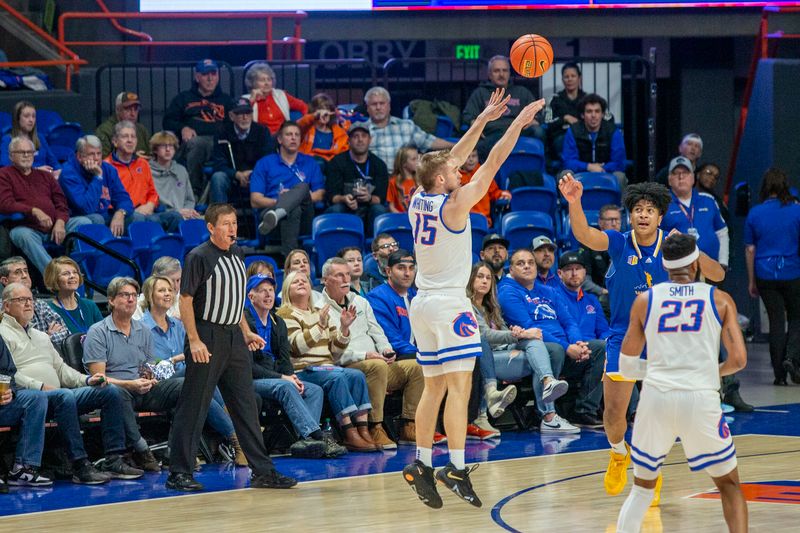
[{"x": 531, "y": 55}]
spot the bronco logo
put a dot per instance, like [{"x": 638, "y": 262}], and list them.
[{"x": 465, "y": 324}]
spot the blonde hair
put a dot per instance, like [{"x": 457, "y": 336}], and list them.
[
  {"x": 430, "y": 165},
  {"x": 149, "y": 287},
  {"x": 163, "y": 137},
  {"x": 53, "y": 270},
  {"x": 286, "y": 302}
]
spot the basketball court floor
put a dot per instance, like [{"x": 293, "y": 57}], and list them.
[{"x": 528, "y": 482}]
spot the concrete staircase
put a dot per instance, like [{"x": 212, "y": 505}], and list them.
[{"x": 19, "y": 42}]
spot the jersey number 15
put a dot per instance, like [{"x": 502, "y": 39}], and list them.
[
  {"x": 667, "y": 324},
  {"x": 426, "y": 234}
]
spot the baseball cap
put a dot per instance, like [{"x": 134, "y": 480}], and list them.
[
  {"x": 681, "y": 161},
  {"x": 257, "y": 279},
  {"x": 206, "y": 65},
  {"x": 542, "y": 240},
  {"x": 358, "y": 126},
  {"x": 242, "y": 105},
  {"x": 494, "y": 238},
  {"x": 570, "y": 258},
  {"x": 127, "y": 98},
  {"x": 400, "y": 256}
]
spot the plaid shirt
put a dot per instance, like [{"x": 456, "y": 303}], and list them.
[
  {"x": 388, "y": 140},
  {"x": 43, "y": 317}
]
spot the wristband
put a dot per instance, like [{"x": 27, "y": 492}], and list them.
[{"x": 87, "y": 380}]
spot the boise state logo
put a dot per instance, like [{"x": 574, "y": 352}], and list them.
[
  {"x": 724, "y": 430},
  {"x": 465, "y": 324}
]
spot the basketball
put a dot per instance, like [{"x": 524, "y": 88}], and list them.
[{"x": 531, "y": 55}]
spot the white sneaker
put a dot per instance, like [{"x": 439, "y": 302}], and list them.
[
  {"x": 499, "y": 400},
  {"x": 483, "y": 422},
  {"x": 557, "y": 425},
  {"x": 555, "y": 389}
]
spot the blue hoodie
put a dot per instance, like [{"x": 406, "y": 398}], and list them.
[
  {"x": 586, "y": 307},
  {"x": 88, "y": 194},
  {"x": 391, "y": 313}
]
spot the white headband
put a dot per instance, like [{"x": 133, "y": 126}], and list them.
[{"x": 682, "y": 261}]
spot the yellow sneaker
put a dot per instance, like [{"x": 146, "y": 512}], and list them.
[
  {"x": 617, "y": 472},
  {"x": 657, "y": 495}
]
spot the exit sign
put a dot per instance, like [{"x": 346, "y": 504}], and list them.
[{"x": 468, "y": 51}]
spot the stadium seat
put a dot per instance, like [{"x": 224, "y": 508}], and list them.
[
  {"x": 516, "y": 162},
  {"x": 331, "y": 232},
  {"x": 62, "y": 139},
  {"x": 72, "y": 350},
  {"x": 5, "y": 121},
  {"x": 520, "y": 227},
  {"x": 599, "y": 189},
  {"x": 100, "y": 267},
  {"x": 398, "y": 226},
  {"x": 46, "y": 120},
  {"x": 529, "y": 145},
  {"x": 194, "y": 232},
  {"x": 444, "y": 127},
  {"x": 150, "y": 242},
  {"x": 544, "y": 198},
  {"x": 480, "y": 228}
]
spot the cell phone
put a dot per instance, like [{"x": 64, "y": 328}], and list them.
[{"x": 389, "y": 355}]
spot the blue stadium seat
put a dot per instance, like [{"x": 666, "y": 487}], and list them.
[
  {"x": 480, "y": 228},
  {"x": 331, "y": 232},
  {"x": 98, "y": 266},
  {"x": 520, "y": 227},
  {"x": 151, "y": 242},
  {"x": 444, "y": 127},
  {"x": 62, "y": 139},
  {"x": 544, "y": 198},
  {"x": 523, "y": 161},
  {"x": 194, "y": 232},
  {"x": 5, "y": 121},
  {"x": 46, "y": 120},
  {"x": 568, "y": 240},
  {"x": 599, "y": 189},
  {"x": 398, "y": 226},
  {"x": 295, "y": 115},
  {"x": 529, "y": 145}
]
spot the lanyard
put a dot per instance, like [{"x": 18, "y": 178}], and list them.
[
  {"x": 365, "y": 172},
  {"x": 81, "y": 328},
  {"x": 659, "y": 239},
  {"x": 687, "y": 214}
]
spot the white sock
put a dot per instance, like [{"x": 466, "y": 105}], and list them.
[
  {"x": 619, "y": 447},
  {"x": 425, "y": 456},
  {"x": 280, "y": 213},
  {"x": 457, "y": 458},
  {"x": 490, "y": 386},
  {"x": 633, "y": 510}
]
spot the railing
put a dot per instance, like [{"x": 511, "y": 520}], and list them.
[{"x": 75, "y": 236}]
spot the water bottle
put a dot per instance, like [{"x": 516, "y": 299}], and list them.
[{"x": 327, "y": 431}]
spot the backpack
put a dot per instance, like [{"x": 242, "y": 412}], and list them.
[{"x": 424, "y": 113}]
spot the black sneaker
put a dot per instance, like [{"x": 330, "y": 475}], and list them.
[
  {"x": 586, "y": 420},
  {"x": 308, "y": 449},
  {"x": 269, "y": 221},
  {"x": 84, "y": 473},
  {"x": 183, "y": 482},
  {"x": 333, "y": 448},
  {"x": 458, "y": 481},
  {"x": 28, "y": 476},
  {"x": 423, "y": 483},
  {"x": 792, "y": 370},
  {"x": 734, "y": 399},
  {"x": 272, "y": 480},
  {"x": 146, "y": 461},
  {"x": 117, "y": 468}
]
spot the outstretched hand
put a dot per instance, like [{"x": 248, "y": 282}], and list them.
[
  {"x": 571, "y": 188},
  {"x": 496, "y": 107},
  {"x": 528, "y": 113}
]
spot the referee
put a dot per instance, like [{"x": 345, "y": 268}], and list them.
[{"x": 218, "y": 344}]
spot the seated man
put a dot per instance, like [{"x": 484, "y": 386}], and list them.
[
  {"x": 119, "y": 347},
  {"x": 15, "y": 270},
  {"x": 134, "y": 173},
  {"x": 691, "y": 147},
  {"x": 494, "y": 252},
  {"x": 238, "y": 147},
  {"x": 28, "y": 409},
  {"x": 286, "y": 185},
  {"x": 37, "y": 195},
  {"x": 370, "y": 351},
  {"x": 527, "y": 303},
  {"x": 127, "y": 107},
  {"x": 69, "y": 393},
  {"x": 93, "y": 188},
  {"x": 390, "y": 133},
  {"x": 588, "y": 312},
  {"x": 356, "y": 180},
  {"x": 170, "y": 177},
  {"x": 495, "y": 193},
  {"x": 593, "y": 144},
  {"x": 383, "y": 245},
  {"x": 544, "y": 252}
]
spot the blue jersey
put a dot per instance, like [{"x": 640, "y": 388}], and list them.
[
  {"x": 633, "y": 269},
  {"x": 701, "y": 219}
]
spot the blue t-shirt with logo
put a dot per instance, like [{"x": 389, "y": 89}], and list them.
[
  {"x": 272, "y": 175},
  {"x": 702, "y": 214}
]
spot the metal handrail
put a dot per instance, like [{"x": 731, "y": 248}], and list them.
[
  {"x": 75, "y": 236},
  {"x": 120, "y": 28}
]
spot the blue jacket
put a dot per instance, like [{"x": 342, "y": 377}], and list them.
[
  {"x": 391, "y": 313},
  {"x": 87, "y": 194},
  {"x": 541, "y": 307},
  {"x": 586, "y": 308},
  {"x": 572, "y": 161}
]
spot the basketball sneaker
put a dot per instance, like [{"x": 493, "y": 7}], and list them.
[
  {"x": 617, "y": 472},
  {"x": 423, "y": 483},
  {"x": 657, "y": 495},
  {"x": 476, "y": 433},
  {"x": 458, "y": 481}
]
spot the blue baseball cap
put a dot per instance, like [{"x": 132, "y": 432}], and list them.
[
  {"x": 257, "y": 279},
  {"x": 206, "y": 65}
]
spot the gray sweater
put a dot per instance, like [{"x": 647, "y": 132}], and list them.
[
  {"x": 172, "y": 185},
  {"x": 495, "y": 337}
]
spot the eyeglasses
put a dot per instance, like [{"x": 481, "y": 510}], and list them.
[
  {"x": 710, "y": 172},
  {"x": 127, "y": 295},
  {"x": 22, "y": 299},
  {"x": 25, "y": 153},
  {"x": 387, "y": 245},
  {"x": 616, "y": 219}
]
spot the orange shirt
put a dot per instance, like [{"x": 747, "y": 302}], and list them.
[
  {"x": 484, "y": 205},
  {"x": 271, "y": 116},
  {"x": 340, "y": 143},
  {"x": 393, "y": 196},
  {"x": 137, "y": 179}
]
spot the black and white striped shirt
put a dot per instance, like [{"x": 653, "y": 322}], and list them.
[{"x": 215, "y": 278}]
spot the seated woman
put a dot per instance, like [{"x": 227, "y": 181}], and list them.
[
  {"x": 298, "y": 260},
  {"x": 274, "y": 378},
  {"x": 170, "y": 268},
  {"x": 169, "y": 337},
  {"x": 360, "y": 281},
  {"x": 23, "y": 124},
  {"x": 314, "y": 344},
  {"x": 403, "y": 180},
  {"x": 323, "y": 135},
  {"x": 63, "y": 277},
  {"x": 563, "y": 108},
  {"x": 271, "y": 106},
  {"x": 260, "y": 267}
]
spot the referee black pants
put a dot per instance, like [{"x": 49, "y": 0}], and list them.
[{"x": 229, "y": 369}]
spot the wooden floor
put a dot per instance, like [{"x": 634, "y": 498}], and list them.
[{"x": 560, "y": 492}]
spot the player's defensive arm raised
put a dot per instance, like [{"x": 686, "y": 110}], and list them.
[
  {"x": 732, "y": 337},
  {"x": 631, "y": 365},
  {"x": 494, "y": 110},
  {"x": 590, "y": 237}
]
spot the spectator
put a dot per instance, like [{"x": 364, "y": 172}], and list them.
[
  {"x": 588, "y": 312},
  {"x": 23, "y": 124},
  {"x": 695, "y": 213},
  {"x": 356, "y": 180},
  {"x": 15, "y": 270},
  {"x": 126, "y": 107},
  {"x": 93, "y": 188},
  {"x": 271, "y": 106},
  {"x": 198, "y": 115},
  {"x": 286, "y": 185},
  {"x": 383, "y": 245},
  {"x": 594, "y": 144},
  {"x": 315, "y": 343},
  {"x": 494, "y": 252},
  {"x": 544, "y": 251},
  {"x": 27, "y": 409},
  {"x": 360, "y": 282},
  {"x": 69, "y": 393},
  {"x": 370, "y": 352},
  {"x": 298, "y": 261},
  {"x": 170, "y": 268},
  {"x": 134, "y": 173},
  {"x": 390, "y": 133},
  {"x": 260, "y": 268},
  {"x": 771, "y": 237},
  {"x": 237, "y": 149},
  {"x": 563, "y": 110},
  {"x": 119, "y": 348},
  {"x": 36, "y": 194},
  {"x": 324, "y": 134},
  {"x": 274, "y": 378},
  {"x": 170, "y": 177},
  {"x": 495, "y": 193},
  {"x": 528, "y": 304},
  {"x": 691, "y": 148},
  {"x": 404, "y": 179},
  {"x": 499, "y": 70},
  {"x": 63, "y": 278}
]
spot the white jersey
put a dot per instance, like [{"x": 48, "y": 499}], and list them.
[
  {"x": 444, "y": 256},
  {"x": 683, "y": 330}
]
